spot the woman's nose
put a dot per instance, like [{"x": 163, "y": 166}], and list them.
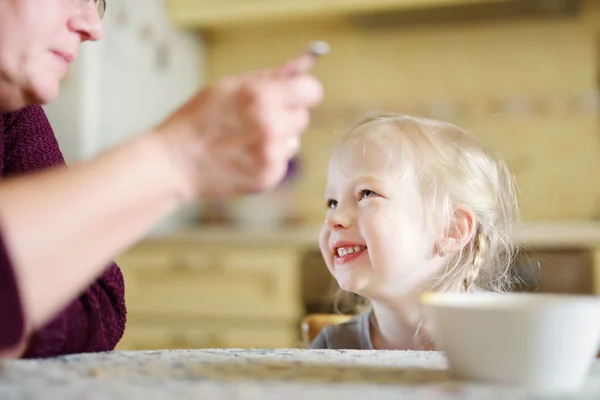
[{"x": 87, "y": 23}]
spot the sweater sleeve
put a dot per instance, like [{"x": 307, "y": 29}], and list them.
[
  {"x": 95, "y": 321},
  {"x": 12, "y": 323}
]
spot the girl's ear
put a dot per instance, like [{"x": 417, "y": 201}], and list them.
[{"x": 460, "y": 231}]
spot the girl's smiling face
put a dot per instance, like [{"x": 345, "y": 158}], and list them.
[{"x": 376, "y": 240}]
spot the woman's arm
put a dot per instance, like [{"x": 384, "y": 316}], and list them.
[
  {"x": 95, "y": 321},
  {"x": 61, "y": 227}
]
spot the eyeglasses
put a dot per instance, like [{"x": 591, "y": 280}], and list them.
[{"x": 101, "y": 4}]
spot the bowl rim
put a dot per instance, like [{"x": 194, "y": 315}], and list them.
[{"x": 504, "y": 301}]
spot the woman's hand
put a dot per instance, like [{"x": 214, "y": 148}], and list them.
[{"x": 237, "y": 135}]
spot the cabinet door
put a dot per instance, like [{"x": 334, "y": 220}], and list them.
[
  {"x": 557, "y": 271},
  {"x": 158, "y": 336},
  {"x": 217, "y": 282},
  {"x": 161, "y": 336}
]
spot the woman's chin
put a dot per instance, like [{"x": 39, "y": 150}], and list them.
[{"x": 43, "y": 91}]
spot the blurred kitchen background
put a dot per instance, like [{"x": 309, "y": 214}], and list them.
[{"x": 522, "y": 74}]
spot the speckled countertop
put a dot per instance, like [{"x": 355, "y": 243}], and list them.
[{"x": 252, "y": 374}]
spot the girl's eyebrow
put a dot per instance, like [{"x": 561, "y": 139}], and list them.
[{"x": 368, "y": 179}]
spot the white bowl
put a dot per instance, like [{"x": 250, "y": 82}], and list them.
[{"x": 545, "y": 342}]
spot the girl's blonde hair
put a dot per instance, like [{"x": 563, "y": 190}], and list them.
[{"x": 453, "y": 170}]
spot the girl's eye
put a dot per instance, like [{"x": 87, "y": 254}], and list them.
[
  {"x": 332, "y": 203},
  {"x": 366, "y": 193}
]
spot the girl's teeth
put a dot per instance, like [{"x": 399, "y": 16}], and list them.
[{"x": 342, "y": 251}]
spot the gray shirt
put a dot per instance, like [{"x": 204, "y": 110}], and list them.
[{"x": 352, "y": 334}]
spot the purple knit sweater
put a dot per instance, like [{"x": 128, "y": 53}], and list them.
[{"x": 95, "y": 321}]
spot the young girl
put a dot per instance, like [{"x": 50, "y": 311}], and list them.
[{"x": 414, "y": 205}]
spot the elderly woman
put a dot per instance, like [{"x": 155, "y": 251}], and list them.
[{"x": 59, "y": 228}]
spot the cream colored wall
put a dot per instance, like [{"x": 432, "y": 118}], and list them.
[{"x": 479, "y": 68}]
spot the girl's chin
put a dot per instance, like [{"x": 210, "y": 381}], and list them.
[{"x": 351, "y": 286}]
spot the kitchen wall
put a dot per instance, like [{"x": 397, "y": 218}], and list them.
[
  {"x": 525, "y": 86},
  {"x": 136, "y": 75}
]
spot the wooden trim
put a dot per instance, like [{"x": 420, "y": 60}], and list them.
[
  {"x": 216, "y": 13},
  {"x": 596, "y": 269}
]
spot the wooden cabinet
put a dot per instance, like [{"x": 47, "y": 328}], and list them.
[
  {"x": 235, "y": 288},
  {"x": 568, "y": 270},
  {"x": 217, "y": 13},
  {"x": 191, "y": 295},
  {"x": 157, "y": 336}
]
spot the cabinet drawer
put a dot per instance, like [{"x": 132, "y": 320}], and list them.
[
  {"x": 157, "y": 337},
  {"x": 213, "y": 282},
  {"x": 167, "y": 256},
  {"x": 557, "y": 271}
]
